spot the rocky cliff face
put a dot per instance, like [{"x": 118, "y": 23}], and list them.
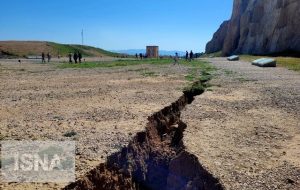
[{"x": 259, "y": 27}]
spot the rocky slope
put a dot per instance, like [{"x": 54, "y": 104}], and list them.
[{"x": 259, "y": 27}]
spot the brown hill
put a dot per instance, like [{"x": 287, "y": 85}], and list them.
[{"x": 35, "y": 48}]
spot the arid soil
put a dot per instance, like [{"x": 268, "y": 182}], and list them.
[
  {"x": 104, "y": 107},
  {"x": 246, "y": 131},
  {"x": 243, "y": 131},
  {"x": 156, "y": 157}
]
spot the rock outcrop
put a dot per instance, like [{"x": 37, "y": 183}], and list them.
[{"x": 259, "y": 27}]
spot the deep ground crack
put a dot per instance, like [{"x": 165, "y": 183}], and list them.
[{"x": 155, "y": 159}]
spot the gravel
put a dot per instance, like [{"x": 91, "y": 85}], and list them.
[{"x": 246, "y": 128}]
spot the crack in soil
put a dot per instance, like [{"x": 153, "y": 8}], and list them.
[{"x": 155, "y": 159}]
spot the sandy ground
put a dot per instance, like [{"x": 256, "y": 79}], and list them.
[
  {"x": 105, "y": 107},
  {"x": 246, "y": 131}
]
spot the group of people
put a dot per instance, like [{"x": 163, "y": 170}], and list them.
[
  {"x": 189, "y": 56},
  {"x": 48, "y": 57},
  {"x": 77, "y": 56},
  {"x": 141, "y": 56}
]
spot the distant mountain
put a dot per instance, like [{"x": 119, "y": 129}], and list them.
[
  {"x": 130, "y": 51},
  {"x": 143, "y": 51},
  {"x": 33, "y": 48}
]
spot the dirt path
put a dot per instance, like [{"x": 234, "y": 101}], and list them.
[{"x": 246, "y": 130}]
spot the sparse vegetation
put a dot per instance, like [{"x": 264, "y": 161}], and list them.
[
  {"x": 195, "y": 88},
  {"x": 215, "y": 54},
  {"x": 201, "y": 71},
  {"x": 192, "y": 75},
  {"x": 229, "y": 72},
  {"x": 65, "y": 49},
  {"x": 149, "y": 74},
  {"x": 198, "y": 64},
  {"x": 200, "y": 83},
  {"x": 205, "y": 76},
  {"x": 70, "y": 134},
  {"x": 117, "y": 63}
]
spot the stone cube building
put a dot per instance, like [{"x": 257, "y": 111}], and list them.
[{"x": 152, "y": 51}]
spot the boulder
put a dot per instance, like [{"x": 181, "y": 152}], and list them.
[
  {"x": 264, "y": 62},
  {"x": 233, "y": 58}
]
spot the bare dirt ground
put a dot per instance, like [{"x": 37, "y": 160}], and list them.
[
  {"x": 105, "y": 107},
  {"x": 246, "y": 131}
]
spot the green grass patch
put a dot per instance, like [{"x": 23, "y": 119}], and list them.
[
  {"x": 138, "y": 70},
  {"x": 190, "y": 77},
  {"x": 215, "y": 54},
  {"x": 291, "y": 63},
  {"x": 125, "y": 62},
  {"x": 200, "y": 71},
  {"x": 149, "y": 74},
  {"x": 229, "y": 72},
  {"x": 199, "y": 75},
  {"x": 89, "y": 65},
  {"x": 65, "y": 49},
  {"x": 195, "y": 88},
  {"x": 200, "y": 64}
]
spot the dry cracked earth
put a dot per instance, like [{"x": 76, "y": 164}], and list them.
[{"x": 244, "y": 130}]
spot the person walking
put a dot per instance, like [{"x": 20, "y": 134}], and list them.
[
  {"x": 176, "y": 58},
  {"x": 191, "y": 55},
  {"x": 48, "y": 57},
  {"x": 43, "y": 58},
  {"x": 70, "y": 58},
  {"x": 186, "y": 55},
  {"x": 79, "y": 57},
  {"x": 75, "y": 57}
]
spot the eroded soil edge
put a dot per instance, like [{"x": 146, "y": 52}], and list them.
[{"x": 155, "y": 158}]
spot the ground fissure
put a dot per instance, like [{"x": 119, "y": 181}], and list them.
[{"x": 155, "y": 158}]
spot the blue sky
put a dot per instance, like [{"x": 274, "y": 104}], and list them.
[{"x": 115, "y": 24}]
